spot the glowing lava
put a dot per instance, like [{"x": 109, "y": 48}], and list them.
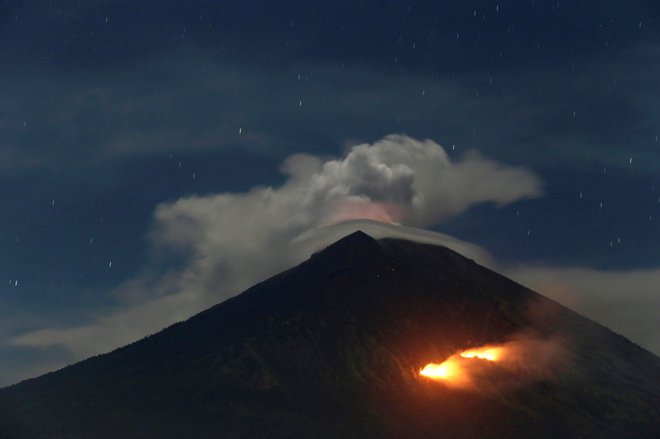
[
  {"x": 442, "y": 371},
  {"x": 493, "y": 353},
  {"x": 458, "y": 369}
]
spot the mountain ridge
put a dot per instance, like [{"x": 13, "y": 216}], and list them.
[{"x": 333, "y": 347}]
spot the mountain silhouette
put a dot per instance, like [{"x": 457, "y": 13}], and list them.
[{"x": 334, "y": 347}]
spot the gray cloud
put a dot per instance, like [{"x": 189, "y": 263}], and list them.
[
  {"x": 625, "y": 301},
  {"x": 230, "y": 241}
]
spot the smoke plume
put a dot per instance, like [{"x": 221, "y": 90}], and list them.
[{"x": 226, "y": 242}]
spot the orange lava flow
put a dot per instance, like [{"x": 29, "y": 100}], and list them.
[
  {"x": 457, "y": 369},
  {"x": 444, "y": 371},
  {"x": 490, "y": 353}
]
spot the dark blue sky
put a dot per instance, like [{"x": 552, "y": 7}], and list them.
[{"x": 109, "y": 108}]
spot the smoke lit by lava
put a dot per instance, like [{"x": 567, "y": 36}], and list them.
[{"x": 526, "y": 358}]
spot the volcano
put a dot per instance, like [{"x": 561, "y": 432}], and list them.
[{"x": 335, "y": 347}]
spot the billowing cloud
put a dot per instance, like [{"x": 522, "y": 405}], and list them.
[
  {"x": 624, "y": 301},
  {"x": 224, "y": 243}
]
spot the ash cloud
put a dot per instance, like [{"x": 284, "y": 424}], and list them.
[{"x": 229, "y": 241}]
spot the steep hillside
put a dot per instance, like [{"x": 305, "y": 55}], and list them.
[{"x": 333, "y": 348}]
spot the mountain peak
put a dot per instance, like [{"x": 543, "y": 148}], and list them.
[
  {"x": 355, "y": 242},
  {"x": 356, "y": 248},
  {"x": 334, "y": 347}
]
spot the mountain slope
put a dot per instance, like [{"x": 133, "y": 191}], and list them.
[{"x": 333, "y": 347}]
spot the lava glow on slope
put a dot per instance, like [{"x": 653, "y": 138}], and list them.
[
  {"x": 490, "y": 353},
  {"x": 458, "y": 369}
]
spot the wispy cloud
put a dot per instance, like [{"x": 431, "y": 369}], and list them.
[
  {"x": 625, "y": 301},
  {"x": 185, "y": 101}
]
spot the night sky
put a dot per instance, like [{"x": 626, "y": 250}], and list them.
[{"x": 157, "y": 157}]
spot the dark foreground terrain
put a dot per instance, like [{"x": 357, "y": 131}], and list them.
[{"x": 332, "y": 348}]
